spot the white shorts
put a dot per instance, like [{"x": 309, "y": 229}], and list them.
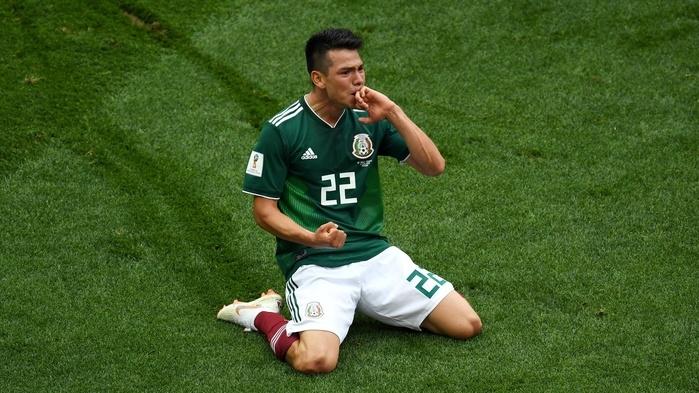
[{"x": 389, "y": 287}]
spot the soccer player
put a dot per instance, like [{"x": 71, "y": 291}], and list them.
[{"x": 314, "y": 178}]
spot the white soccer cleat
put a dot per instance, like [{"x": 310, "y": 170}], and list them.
[{"x": 244, "y": 313}]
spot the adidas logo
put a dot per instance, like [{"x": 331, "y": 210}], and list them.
[{"x": 309, "y": 155}]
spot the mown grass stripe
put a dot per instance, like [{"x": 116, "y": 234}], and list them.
[{"x": 256, "y": 102}]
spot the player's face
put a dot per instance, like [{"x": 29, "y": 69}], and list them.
[{"x": 344, "y": 77}]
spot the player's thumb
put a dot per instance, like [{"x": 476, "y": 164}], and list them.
[{"x": 327, "y": 227}]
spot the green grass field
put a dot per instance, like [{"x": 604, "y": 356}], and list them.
[{"x": 568, "y": 214}]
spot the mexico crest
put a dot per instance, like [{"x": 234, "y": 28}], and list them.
[
  {"x": 362, "y": 146},
  {"x": 314, "y": 310}
]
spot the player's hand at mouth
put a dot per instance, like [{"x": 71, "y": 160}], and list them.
[{"x": 375, "y": 103}]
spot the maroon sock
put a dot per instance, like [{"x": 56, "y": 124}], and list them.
[{"x": 273, "y": 326}]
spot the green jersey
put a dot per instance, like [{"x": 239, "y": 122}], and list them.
[{"x": 321, "y": 172}]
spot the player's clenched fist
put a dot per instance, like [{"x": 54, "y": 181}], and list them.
[{"x": 327, "y": 235}]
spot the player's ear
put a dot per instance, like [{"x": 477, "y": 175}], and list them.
[{"x": 318, "y": 79}]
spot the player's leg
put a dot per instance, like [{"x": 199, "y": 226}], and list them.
[
  {"x": 307, "y": 351},
  {"x": 315, "y": 352},
  {"x": 262, "y": 315},
  {"x": 398, "y": 292},
  {"x": 453, "y": 317},
  {"x": 322, "y": 303}
]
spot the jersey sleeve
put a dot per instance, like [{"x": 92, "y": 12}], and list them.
[
  {"x": 266, "y": 170},
  {"x": 392, "y": 144}
]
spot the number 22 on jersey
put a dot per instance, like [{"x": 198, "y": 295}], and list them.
[{"x": 336, "y": 187}]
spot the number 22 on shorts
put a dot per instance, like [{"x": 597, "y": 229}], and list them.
[{"x": 434, "y": 280}]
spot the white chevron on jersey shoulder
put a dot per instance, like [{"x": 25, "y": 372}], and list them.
[{"x": 291, "y": 111}]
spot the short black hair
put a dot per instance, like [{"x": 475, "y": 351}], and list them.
[{"x": 321, "y": 42}]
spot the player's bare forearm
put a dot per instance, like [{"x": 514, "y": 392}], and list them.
[
  {"x": 424, "y": 154},
  {"x": 271, "y": 219}
]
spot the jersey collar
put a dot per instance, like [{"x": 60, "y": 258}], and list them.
[{"x": 305, "y": 103}]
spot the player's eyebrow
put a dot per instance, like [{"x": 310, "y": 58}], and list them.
[{"x": 350, "y": 68}]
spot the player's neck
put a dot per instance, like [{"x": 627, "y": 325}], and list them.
[{"x": 324, "y": 107}]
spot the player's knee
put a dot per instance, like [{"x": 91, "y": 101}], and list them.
[
  {"x": 316, "y": 363},
  {"x": 467, "y": 327},
  {"x": 472, "y": 326},
  {"x": 316, "y": 353},
  {"x": 476, "y": 325}
]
